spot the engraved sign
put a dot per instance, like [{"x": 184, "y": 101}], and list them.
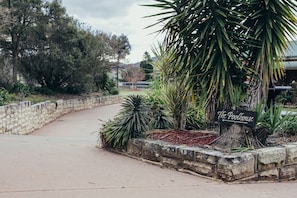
[{"x": 235, "y": 116}]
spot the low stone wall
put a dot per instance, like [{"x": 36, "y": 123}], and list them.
[
  {"x": 272, "y": 163},
  {"x": 24, "y": 118}
]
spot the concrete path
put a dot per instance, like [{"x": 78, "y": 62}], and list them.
[{"x": 61, "y": 161}]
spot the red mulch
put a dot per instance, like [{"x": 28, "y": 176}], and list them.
[{"x": 190, "y": 138}]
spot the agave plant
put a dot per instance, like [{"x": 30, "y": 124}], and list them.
[
  {"x": 132, "y": 121},
  {"x": 135, "y": 114}
]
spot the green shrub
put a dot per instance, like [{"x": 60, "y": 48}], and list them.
[
  {"x": 132, "y": 121},
  {"x": 114, "y": 91},
  {"x": 195, "y": 118},
  {"x": 21, "y": 90},
  {"x": 19, "y": 87},
  {"x": 154, "y": 95},
  {"x": 4, "y": 97},
  {"x": 44, "y": 90},
  {"x": 159, "y": 115},
  {"x": 177, "y": 100},
  {"x": 276, "y": 120},
  {"x": 285, "y": 97},
  {"x": 290, "y": 125},
  {"x": 159, "y": 119}
]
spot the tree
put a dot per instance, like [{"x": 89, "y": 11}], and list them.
[
  {"x": 96, "y": 52},
  {"x": 5, "y": 72},
  {"x": 202, "y": 35},
  {"x": 41, "y": 42},
  {"x": 53, "y": 58},
  {"x": 217, "y": 43},
  {"x": 272, "y": 23},
  {"x": 147, "y": 66},
  {"x": 3, "y": 17},
  {"x": 133, "y": 74},
  {"x": 121, "y": 48},
  {"x": 21, "y": 16},
  {"x": 63, "y": 56}
]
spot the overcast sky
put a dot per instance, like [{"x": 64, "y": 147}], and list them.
[{"x": 117, "y": 17}]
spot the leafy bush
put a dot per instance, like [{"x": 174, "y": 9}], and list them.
[
  {"x": 4, "y": 97},
  {"x": 21, "y": 90},
  {"x": 285, "y": 97},
  {"x": 177, "y": 101},
  {"x": 290, "y": 125},
  {"x": 114, "y": 91},
  {"x": 154, "y": 95},
  {"x": 159, "y": 119},
  {"x": 44, "y": 90},
  {"x": 195, "y": 118},
  {"x": 159, "y": 115},
  {"x": 276, "y": 120},
  {"x": 132, "y": 121}
]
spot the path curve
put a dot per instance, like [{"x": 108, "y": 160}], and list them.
[{"x": 61, "y": 160}]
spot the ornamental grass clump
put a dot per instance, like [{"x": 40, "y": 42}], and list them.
[
  {"x": 132, "y": 121},
  {"x": 276, "y": 120}
]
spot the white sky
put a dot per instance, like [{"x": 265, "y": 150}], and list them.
[{"x": 117, "y": 17}]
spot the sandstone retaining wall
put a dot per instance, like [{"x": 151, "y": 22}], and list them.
[
  {"x": 24, "y": 117},
  {"x": 272, "y": 163}
]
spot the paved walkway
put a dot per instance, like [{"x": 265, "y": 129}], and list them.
[{"x": 61, "y": 161}]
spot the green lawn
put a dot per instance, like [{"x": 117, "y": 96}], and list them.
[
  {"x": 36, "y": 98},
  {"x": 126, "y": 92}
]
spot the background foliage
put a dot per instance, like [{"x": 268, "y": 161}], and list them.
[{"x": 41, "y": 45}]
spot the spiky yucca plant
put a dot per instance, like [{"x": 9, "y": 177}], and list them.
[
  {"x": 177, "y": 100},
  {"x": 132, "y": 121}
]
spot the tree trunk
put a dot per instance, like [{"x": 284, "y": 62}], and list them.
[
  {"x": 258, "y": 94},
  {"x": 236, "y": 136},
  {"x": 14, "y": 68}
]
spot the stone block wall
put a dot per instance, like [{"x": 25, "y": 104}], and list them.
[
  {"x": 272, "y": 163},
  {"x": 24, "y": 117}
]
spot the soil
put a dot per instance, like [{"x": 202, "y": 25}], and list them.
[
  {"x": 281, "y": 139},
  {"x": 184, "y": 137},
  {"x": 206, "y": 138}
]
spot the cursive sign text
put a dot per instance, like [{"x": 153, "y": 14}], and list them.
[{"x": 240, "y": 117}]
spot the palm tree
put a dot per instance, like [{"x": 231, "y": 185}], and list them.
[
  {"x": 204, "y": 36},
  {"x": 271, "y": 24},
  {"x": 218, "y": 44}
]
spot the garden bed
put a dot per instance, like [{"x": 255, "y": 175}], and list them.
[
  {"x": 206, "y": 137},
  {"x": 184, "y": 137}
]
